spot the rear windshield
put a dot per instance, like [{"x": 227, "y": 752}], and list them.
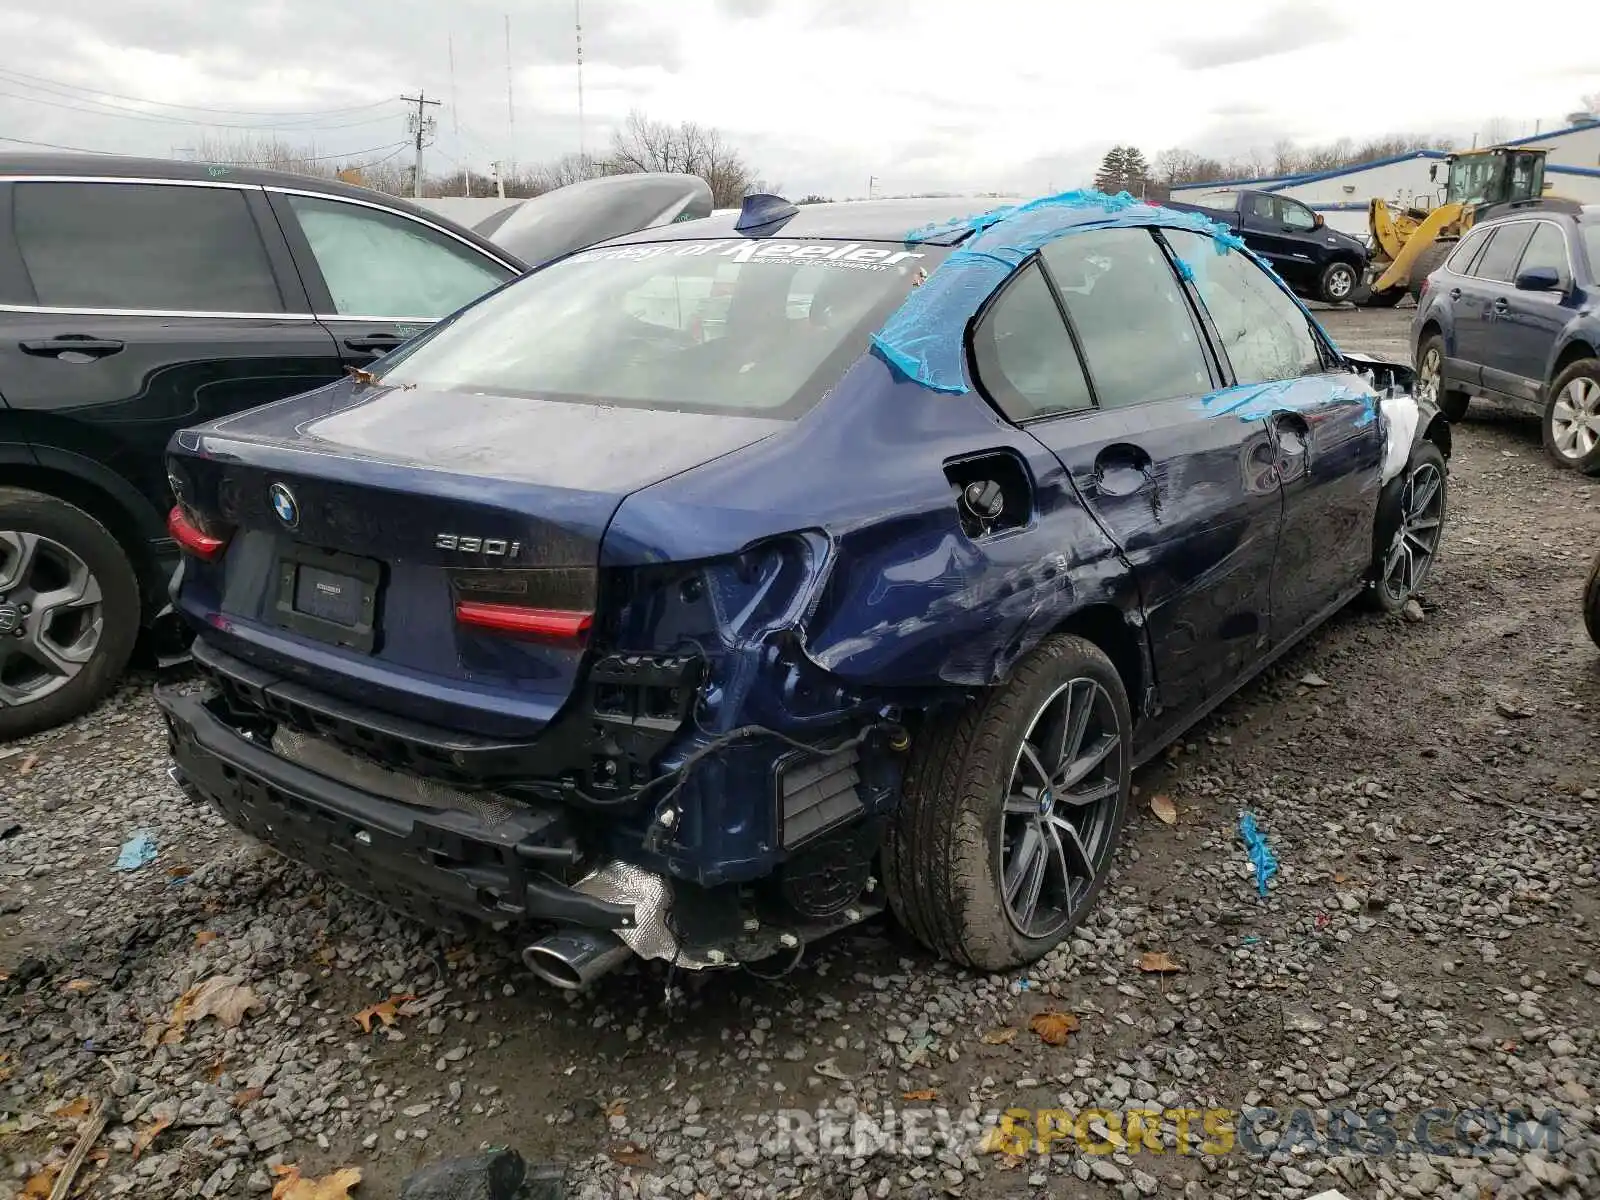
[{"x": 735, "y": 325}]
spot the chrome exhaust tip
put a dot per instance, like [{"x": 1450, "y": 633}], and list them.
[{"x": 572, "y": 959}]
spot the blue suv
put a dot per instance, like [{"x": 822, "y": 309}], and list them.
[{"x": 1514, "y": 315}]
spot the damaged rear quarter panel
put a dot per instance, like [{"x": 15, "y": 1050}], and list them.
[{"x": 906, "y": 598}]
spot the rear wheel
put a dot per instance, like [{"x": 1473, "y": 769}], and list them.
[
  {"x": 1452, "y": 402},
  {"x": 69, "y": 611},
  {"x": 1338, "y": 282},
  {"x": 1572, "y": 417},
  {"x": 1407, "y": 541},
  {"x": 1429, "y": 261},
  {"x": 1012, "y": 810},
  {"x": 1364, "y": 297}
]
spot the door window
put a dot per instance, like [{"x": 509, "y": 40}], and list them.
[
  {"x": 1461, "y": 260},
  {"x": 1024, "y": 356},
  {"x": 1261, "y": 329},
  {"x": 1138, "y": 336},
  {"x": 1298, "y": 217},
  {"x": 380, "y": 264},
  {"x": 1264, "y": 207},
  {"x": 140, "y": 246},
  {"x": 1547, "y": 248},
  {"x": 1499, "y": 258}
]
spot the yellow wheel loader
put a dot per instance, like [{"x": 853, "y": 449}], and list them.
[{"x": 1407, "y": 244}]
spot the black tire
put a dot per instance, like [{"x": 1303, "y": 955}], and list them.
[
  {"x": 1386, "y": 299},
  {"x": 943, "y": 855},
  {"x": 1452, "y": 402},
  {"x": 1398, "y": 519},
  {"x": 1429, "y": 261},
  {"x": 75, "y": 531},
  {"x": 1582, "y": 375},
  {"x": 1591, "y": 602},
  {"x": 1338, "y": 283}
]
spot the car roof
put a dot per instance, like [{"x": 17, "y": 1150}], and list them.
[
  {"x": 863, "y": 220},
  {"x": 117, "y": 166}
]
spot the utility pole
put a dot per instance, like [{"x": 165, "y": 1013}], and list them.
[
  {"x": 499, "y": 180},
  {"x": 577, "y": 12},
  {"x": 421, "y": 125}
]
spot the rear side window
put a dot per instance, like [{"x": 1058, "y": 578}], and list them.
[
  {"x": 1132, "y": 319},
  {"x": 1024, "y": 355},
  {"x": 378, "y": 264},
  {"x": 142, "y": 246},
  {"x": 1461, "y": 259},
  {"x": 1591, "y": 245},
  {"x": 1261, "y": 330},
  {"x": 1499, "y": 259},
  {"x": 761, "y": 327}
]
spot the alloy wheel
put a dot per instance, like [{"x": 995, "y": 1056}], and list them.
[
  {"x": 1057, "y": 826},
  {"x": 51, "y": 616},
  {"x": 1575, "y": 419},
  {"x": 1341, "y": 284},
  {"x": 1416, "y": 542},
  {"x": 1428, "y": 375}
]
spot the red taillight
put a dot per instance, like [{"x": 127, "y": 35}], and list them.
[
  {"x": 191, "y": 538},
  {"x": 553, "y": 624}
]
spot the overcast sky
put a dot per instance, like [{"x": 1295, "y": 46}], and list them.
[{"x": 1010, "y": 95}]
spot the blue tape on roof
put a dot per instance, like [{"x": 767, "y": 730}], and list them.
[{"x": 922, "y": 339}]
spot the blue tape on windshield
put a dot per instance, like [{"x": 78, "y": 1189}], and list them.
[{"x": 922, "y": 339}]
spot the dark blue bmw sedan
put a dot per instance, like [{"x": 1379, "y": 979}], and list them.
[
  {"x": 1513, "y": 315},
  {"x": 721, "y": 586}
]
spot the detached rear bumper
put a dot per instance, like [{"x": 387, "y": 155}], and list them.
[{"x": 443, "y": 867}]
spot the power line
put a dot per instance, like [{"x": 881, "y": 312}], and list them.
[
  {"x": 243, "y": 112},
  {"x": 57, "y": 146},
  {"x": 152, "y": 118}
]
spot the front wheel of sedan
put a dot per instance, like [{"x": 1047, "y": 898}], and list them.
[
  {"x": 1408, "y": 533},
  {"x": 1572, "y": 417},
  {"x": 1338, "y": 282},
  {"x": 1012, "y": 810}
]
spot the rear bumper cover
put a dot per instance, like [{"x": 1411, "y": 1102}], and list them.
[{"x": 442, "y": 867}]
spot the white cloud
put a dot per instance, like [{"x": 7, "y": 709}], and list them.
[{"x": 822, "y": 94}]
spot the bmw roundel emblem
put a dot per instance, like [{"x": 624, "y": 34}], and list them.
[{"x": 283, "y": 504}]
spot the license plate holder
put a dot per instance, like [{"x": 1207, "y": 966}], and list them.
[{"x": 329, "y": 596}]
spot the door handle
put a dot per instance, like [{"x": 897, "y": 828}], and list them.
[
  {"x": 1501, "y": 305},
  {"x": 78, "y": 343},
  {"x": 374, "y": 341},
  {"x": 1455, "y": 293}
]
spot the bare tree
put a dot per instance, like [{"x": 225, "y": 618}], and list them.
[
  {"x": 1497, "y": 130},
  {"x": 642, "y": 144},
  {"x": 1590, "y": 103}
]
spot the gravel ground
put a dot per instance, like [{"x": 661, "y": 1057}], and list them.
[{"x": 1429, "y": 788}]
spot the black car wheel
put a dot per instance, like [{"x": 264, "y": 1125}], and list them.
[
  {"x": 1452, "y": 402},
  {"x": 1338, "y": 282},
  {"x": 1012, "y": 810},
  {"x": 69, "y": 611},
  {"x": 1407, "y": 541},
  {"x": 1365, "y": 297},
  {"x": 1591, "y": 602},
  {"x": 1572, "y": 417}
]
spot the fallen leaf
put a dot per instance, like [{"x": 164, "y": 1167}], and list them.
[
  {"x": 1164, "y": 808},
  {"x": 215, "y": 1068},
  {"x": 325, "y": 956},
  {"x": 617, "y": 1108},
  {"x": 182, "y": 872},
  {"x": 73, "y": 1110},
  {"x": 999, "y": 1037},
  {"x": 1312, "y": 679},
  {"x": 1053, "y": 1027},
  {"x": 1008, "y": 1162},
  {"x": 292, "y": 1185},
  {"x": 1338, "y": 877},
  {"x": 205, "y": 937},
  {"x": 386, "y": 1011},
  {"x": 148, "y": 1134},
  {"x": 225, "y": 997},
  {"x": 1157, "y": 961},
  {"x": 27, "y": 764},
  {"x": 920, "y": 1094},
  {"x": 247, "y": 1097},
  {"x": 42, "y": 1182},
  {"x": 630, "y": 1155},
  {"x": 80, "y": 985}
]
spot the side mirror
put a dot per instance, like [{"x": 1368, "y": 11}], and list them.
[
  {"x": 1316, "y": 219},
  {"x": 1538, "y": 279}
]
